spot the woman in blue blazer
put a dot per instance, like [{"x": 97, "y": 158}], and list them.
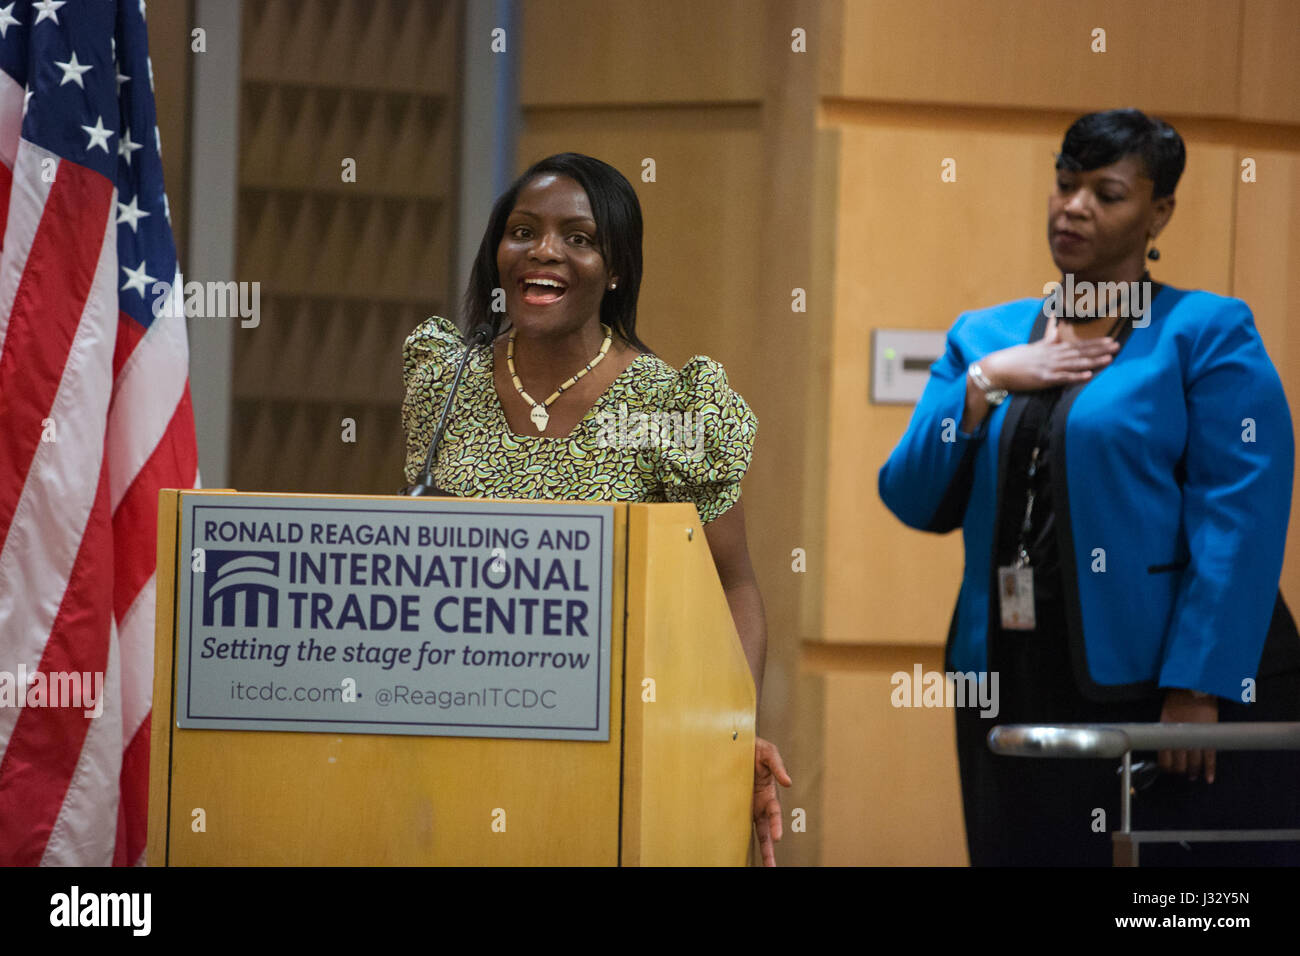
[{"x": 1119, "y": 458}]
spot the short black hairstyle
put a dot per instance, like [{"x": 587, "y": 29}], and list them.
[
  {"x": 618, "y": 235},
  {"x": 1099, "y": 139}
]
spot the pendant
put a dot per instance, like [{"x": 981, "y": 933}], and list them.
[{"x": 540, "y": 417}]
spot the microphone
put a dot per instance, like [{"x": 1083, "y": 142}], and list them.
[{"x": 482, "y": 335}]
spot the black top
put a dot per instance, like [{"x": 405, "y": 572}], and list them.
[{"x": 1033, "y": 430}]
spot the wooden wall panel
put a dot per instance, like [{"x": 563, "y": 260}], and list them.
[
  {"x": 670, "y": 51},
  {"x": 1266, "y": 265},
  {"x": 1177, "y": 56},
  {"x": 796, "y": 247},
  {"x": 347, "y": 268},
  {"x": 892, "y": 793},
  {"x": 913, "y": 252},
  {"x": 1270, "y": 49}
]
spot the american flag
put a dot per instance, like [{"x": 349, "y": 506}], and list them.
[{"x": 95, "y": 418}]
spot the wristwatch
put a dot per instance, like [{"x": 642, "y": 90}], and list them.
[{"x": 994, "y": 396}]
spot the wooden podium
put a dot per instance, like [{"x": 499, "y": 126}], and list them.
[{"x": 671, "y": 786}]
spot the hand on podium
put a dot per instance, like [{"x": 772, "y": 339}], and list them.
[{"x": 768, "y": 771}]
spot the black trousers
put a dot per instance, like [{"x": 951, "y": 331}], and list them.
[{"x": 1027, "y": 811}]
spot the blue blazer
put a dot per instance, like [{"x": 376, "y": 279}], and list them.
[{"x": 1170, "y": 468}]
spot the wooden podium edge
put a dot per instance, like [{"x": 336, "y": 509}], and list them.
[
  {"x": 163, "y": 711},
  {"x": 687, "y": 769}
]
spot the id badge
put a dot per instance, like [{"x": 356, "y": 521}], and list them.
[{"x": 1016, "y": 597}]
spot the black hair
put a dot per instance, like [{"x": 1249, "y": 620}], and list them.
[
  {"x": 617, "y": 212},
  {"x": 1099, "y": 139}
]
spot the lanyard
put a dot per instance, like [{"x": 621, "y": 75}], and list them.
[
  {"x": 1026, "y": 526},
  {"x": 1022, "y": 549}
]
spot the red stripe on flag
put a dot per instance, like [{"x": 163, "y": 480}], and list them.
[
  {"x": 46, "y": 743},
  {"x": 129, "y": 334},
  {"x": 133, "y": 808},
  {"x": 46, "y": 312},
  {"x": 135, "y": 523}
]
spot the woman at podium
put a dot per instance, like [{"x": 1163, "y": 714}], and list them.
[
  {"x": 568, "y": 402},
  {"x": 1119, "y": 457}
]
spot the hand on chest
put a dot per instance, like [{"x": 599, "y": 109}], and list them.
[{"x": 1132, "y": 417}]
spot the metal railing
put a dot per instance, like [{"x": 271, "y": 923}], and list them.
[{"x": 1075, "y": 741}]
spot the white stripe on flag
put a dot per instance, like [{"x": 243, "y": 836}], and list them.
[
  {"x": 59, "y": 492},
  {"x": 145, "y": 396},
  {"x": 136, "y": 634}
]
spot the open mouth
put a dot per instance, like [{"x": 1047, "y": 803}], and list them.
[{"x": 542, "y": 291}]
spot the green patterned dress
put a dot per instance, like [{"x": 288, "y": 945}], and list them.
[{"x": 656, "y": 434}]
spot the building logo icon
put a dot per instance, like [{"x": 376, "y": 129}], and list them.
[{"x": 247, "y": 581}]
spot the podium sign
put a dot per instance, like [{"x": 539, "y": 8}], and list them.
[{"x": 394, "y": 616}]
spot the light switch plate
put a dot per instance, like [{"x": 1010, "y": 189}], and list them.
[{"x": 900, "y": 363}]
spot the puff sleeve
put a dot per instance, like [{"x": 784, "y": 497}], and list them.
[
  {"x": 712, "y": 440},
  {"x": 429, "y": 359}
]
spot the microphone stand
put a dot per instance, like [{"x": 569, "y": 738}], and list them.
[{"x": 483, "y": 334}]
